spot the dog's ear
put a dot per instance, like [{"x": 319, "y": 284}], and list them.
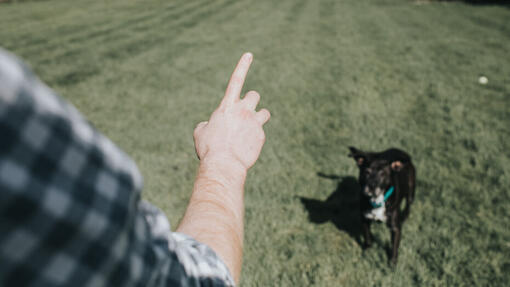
[
  {"x": 359, "y": 156},
  {"x": 397, "y": 165}
]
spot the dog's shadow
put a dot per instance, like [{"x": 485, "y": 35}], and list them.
[{"x": 342, "y": 207}]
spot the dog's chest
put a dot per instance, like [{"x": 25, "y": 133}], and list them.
[{"x": 378, "y": 213}]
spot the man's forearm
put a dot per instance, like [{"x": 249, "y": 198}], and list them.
[{"x": 215, "y": 213}]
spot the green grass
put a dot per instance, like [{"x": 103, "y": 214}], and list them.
[{"x": 374, "y": 74}]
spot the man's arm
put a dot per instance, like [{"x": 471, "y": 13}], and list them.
[{"x": 227, "y": 146}]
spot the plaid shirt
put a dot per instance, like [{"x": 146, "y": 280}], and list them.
[{"x": 70, "y": 208}]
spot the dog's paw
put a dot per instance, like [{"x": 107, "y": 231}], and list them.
[{"x": 393, "y": 263}]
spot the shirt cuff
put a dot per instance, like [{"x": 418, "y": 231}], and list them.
[{"x": 197, "y": 259}]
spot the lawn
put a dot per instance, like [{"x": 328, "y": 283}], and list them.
[{"x": 372, "y": 74}]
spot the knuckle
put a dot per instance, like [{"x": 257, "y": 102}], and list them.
[
  {"x": 254, "y": 93},
  {"x": 245, "y": 114}
]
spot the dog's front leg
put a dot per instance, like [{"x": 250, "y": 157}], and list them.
[
  {"x": 367, "y": 235},
  {"x": 395, "y": 239}
]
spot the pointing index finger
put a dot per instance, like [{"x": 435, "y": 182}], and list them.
[{"x": 236, "y": 82}]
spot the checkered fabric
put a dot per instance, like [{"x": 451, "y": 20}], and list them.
[{"x": 70, "y": 207}]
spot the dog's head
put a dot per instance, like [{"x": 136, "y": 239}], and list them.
[{"x": 374, "y": 172}]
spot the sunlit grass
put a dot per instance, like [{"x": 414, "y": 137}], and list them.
[{"x": 373, "y": 74}]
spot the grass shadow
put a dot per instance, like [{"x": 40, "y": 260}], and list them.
[{"x": 341, "y": 207}]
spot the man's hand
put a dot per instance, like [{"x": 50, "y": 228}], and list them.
[{"x": 233, "y": 135}]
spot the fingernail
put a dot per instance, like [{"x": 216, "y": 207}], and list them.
[{"x": 249, "y": 55}]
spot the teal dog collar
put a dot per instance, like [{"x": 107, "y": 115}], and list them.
[{"x": 388, "y": 194}]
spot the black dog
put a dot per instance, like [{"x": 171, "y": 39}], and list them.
[{"x": 386, "y": 179}]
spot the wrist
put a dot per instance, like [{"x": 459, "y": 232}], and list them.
[{"x": 224, "y": 169}]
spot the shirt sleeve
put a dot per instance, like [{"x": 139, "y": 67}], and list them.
[{"x": 70, "y": 207}]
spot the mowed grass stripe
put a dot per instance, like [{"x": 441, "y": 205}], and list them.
[
  {"x": 179, "y": 19},
  {"x": 290, "y": 30},
  {"x": 130, "y": 47},
  {"x": 353, "y": 102},
  {"x": 124, "y": 30},
  {"x": 184, "y": 20},
  {"x": 62, "y": 17},
  {"x": 112, "y": 31}
]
